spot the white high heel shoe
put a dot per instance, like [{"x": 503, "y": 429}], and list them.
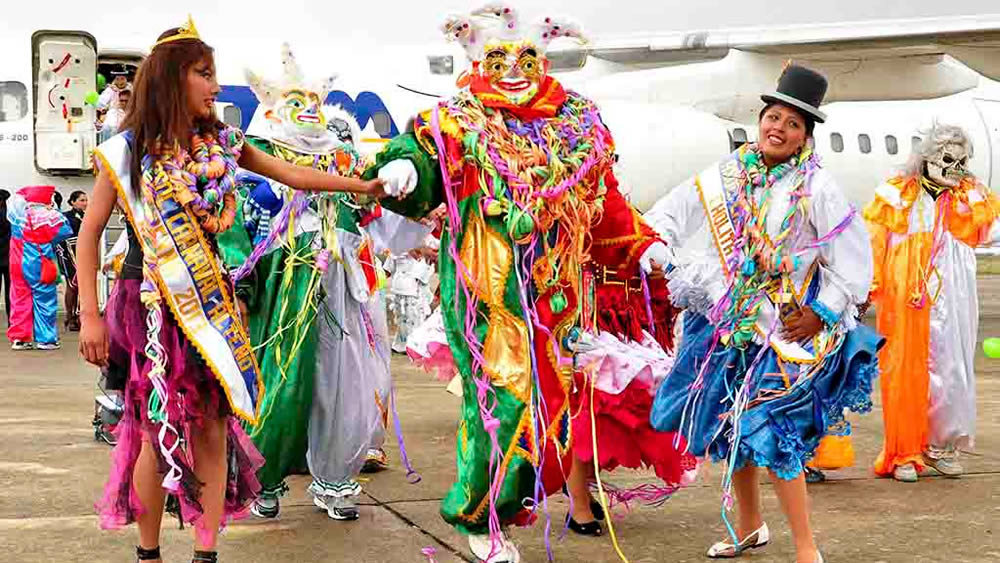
[{"x": 757, "y": 539}]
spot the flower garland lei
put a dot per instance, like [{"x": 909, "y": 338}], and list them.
[{"x": 204, "y": 178}]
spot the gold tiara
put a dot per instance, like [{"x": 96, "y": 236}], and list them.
[{"x": 186, "y": 31}]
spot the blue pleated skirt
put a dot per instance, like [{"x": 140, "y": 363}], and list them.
[{"x": 781, "y": 433}]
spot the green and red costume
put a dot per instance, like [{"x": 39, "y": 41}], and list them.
[{"x": 533, "y": 204}]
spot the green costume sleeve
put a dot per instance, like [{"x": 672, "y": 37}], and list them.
[
  {"x": 235, "y": 245},
  {"x": 428, "y": 195}
]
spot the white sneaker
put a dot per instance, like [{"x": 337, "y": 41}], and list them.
[
  {"x": 18, "y": 345},
  {"x": 48, "y": 345},
  {"x": 949, "y": 467},
  {"x": 905, "y": 473},
  {"x": 503, "y": 551},
  {"x": 338, "y": 508},
  {"x": 265, "y": 507}
]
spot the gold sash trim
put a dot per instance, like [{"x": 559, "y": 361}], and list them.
[{"x": 191, "y": 279}]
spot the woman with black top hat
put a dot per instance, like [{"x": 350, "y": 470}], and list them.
[{"x": 771, "y": 265}]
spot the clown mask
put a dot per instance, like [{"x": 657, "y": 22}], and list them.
[
  {"x": 949, "y": 165},
  {"x": 506, "y": 54},
  {"x": 292, "y": 108},
  {"x": 514, "y": 70},
  {"x": 299, "y": 113}
]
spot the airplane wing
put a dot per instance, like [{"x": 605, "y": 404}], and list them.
[
  {"x": 855, "y": 55},
  {"x": 974, "y": 40}
]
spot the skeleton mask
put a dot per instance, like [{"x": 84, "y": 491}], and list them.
[{"x": 949, "y": 165}]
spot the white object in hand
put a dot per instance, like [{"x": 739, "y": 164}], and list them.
[
  {"x": 400, "y": 177},
  {"x": 658, "y": 253}
]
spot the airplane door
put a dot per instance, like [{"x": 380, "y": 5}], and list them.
[
  {"x": 989, "y": 110},
  {"x": 64, "y": 79}
]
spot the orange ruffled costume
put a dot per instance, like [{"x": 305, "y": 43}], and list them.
[{"x": 925, "y": 292}]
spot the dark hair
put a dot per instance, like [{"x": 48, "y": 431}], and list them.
[
  {"x": 77, "y": 194},
  {"x": 158, "y": 110},
  {"x": 57, "y": 197},
  {"x": 806, "y": 118},
  {"x": 4, "y": 195}
]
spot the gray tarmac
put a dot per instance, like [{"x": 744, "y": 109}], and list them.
[{"x": 52, "y": 470}]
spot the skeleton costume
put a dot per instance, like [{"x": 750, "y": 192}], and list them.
[
  {"x": 925, "y": 225},
  {"x": 525, "y": 168},
  {"x": 307, "y": 270}
]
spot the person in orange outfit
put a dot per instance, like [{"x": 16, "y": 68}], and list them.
[{"x": 925, "y": 225}]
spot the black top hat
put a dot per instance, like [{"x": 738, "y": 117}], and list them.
[
  {"x": 801, "y": 88},
  {"x": 119, "y": 70}
]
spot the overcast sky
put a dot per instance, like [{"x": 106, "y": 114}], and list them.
[{"x": 416, "y": 21}]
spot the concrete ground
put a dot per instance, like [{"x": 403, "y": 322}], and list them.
[{"x": 52, "y": 470}]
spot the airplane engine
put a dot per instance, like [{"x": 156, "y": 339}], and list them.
[{"x": 659, "y": 146}]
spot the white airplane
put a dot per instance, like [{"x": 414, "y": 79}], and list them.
[{"x": 674, "y": 102}]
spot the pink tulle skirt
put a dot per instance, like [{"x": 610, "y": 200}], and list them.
[
  {"x": 194, "y": 397},
  {"x": 427, "y": 347}
]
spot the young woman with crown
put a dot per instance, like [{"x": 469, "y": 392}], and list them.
[{"x": 174, "y": 321}]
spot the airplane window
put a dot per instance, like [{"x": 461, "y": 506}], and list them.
[
  {"x": 444, "y": 64},
  {"x": 13, "y": 101},
  {"x": 837, "y": 142},
  {"x": 865, "y": 143},
  {"x": 739, "y": 137},
  {"x": 891, "y": 145},
  {"x": 915, "y": 141},
  {"x": 383, "y": 123},
  {"x": 232, "y": 116}
]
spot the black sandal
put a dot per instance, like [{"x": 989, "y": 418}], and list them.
[
  {"x": 143, "y": 554},
  {"x": 592, "y": 528},
  {"x": 205, "y": 557}
]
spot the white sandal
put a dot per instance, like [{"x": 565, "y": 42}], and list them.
[{"x": 757, "y": 539}]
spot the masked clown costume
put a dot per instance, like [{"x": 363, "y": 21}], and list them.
[
  {"x": 35, "y": 230},
  {"x": 307, "y": 270},
  {"x": 525, "y": 170},
  {"x": 925, "y": 225}
]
